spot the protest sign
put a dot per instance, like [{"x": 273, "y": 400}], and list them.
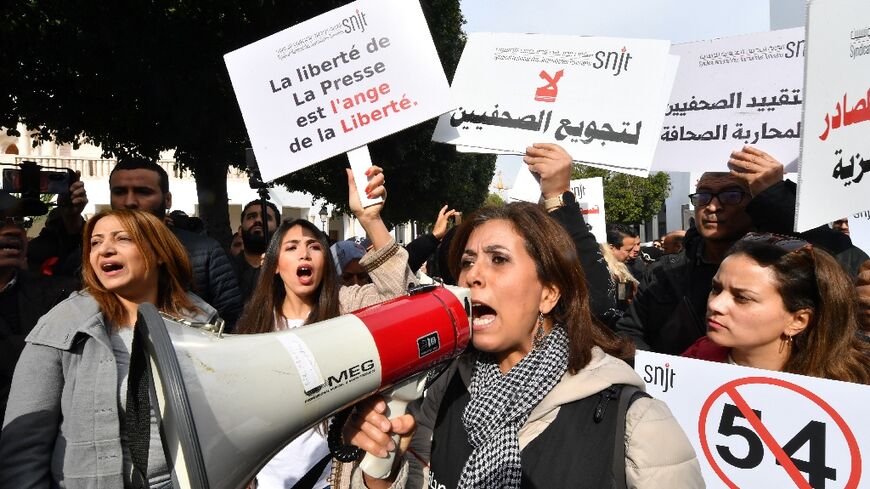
[
  {"x": 336, "y": 82},
  {"x": 526, "y": 187},
  {"x": 590, "y": 195},
  {"x": 599, "y": 98},
  {"x": 859, "y": 230},
  {"x": 731, "y": 92},
  {"x": 761, "y": 428},
  {"x": 836, "y": 115}
]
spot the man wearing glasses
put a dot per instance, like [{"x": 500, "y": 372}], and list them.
[{"x": 668, "y": 313}]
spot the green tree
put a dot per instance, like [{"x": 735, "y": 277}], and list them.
[
  {"x": 493, "y": 200},
  {"x": 627, "y": 198},
  {"x": 142, "y": 77}
]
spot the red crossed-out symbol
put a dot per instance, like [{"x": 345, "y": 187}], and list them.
[
  {"x": 730, "y": 389},
  {"x": 548, "y": 92}
]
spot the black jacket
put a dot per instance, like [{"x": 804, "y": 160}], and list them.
[
  {"x": 668, "y": 313},
  {"x": 420, "y": 249},
  {"x": 602, "y": 290},
  {"x": 214, "y": 278},
  {"x": 23, "y": 303}
]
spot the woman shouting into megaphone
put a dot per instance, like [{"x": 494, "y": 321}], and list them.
[
  {"x": 544, "y": 399},
  {"x": 299, "y": 284}
]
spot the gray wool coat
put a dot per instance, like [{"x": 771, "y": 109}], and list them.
[{"x": 62, "y": 426}]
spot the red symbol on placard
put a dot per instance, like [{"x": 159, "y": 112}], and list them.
[
  {"x": 741, "y": 408},
  {"x": 548, "y": 92}
]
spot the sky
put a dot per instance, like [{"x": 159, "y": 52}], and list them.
[{"x": 675, "y": 20}]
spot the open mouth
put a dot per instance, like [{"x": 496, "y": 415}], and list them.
[
  {"x": 11, "y": 244},
  {"x": 305, "y": 274},
  {"x": 110, "y": 267},
  {"x": 482, "y": 315}
]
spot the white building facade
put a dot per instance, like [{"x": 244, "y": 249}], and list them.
[{"x": 94, "y": 171}]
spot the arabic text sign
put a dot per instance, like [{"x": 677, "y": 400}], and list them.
[
  {"x": 596, "y": 97},
  {"x": 836, "y": 150},
  {"x": 760, "y": 428},
  {"x": 336, "y": 82},
  {"x": 730, "y": 92}
]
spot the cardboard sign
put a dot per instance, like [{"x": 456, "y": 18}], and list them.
[
  {"x": 731, "y": 92},
  {"x": 836, "y": 148},
  {"x": 599, "y": 98},
  {"x": 760, "y": 428},
  {"x": 336, "y": 82}
]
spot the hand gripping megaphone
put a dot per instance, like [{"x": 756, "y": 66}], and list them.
[{"x": 228, "y": 404}]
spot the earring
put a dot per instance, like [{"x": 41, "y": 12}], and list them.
[
  {"x": 785, "y": 342},
  {"x": 538, "y": 339}
]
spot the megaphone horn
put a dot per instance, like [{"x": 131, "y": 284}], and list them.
[{"x": 228, "y": 404}]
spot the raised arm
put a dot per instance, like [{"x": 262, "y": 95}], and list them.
[
  {"x": 553, "y": 165},
  {"x": 387, "y": 262}
]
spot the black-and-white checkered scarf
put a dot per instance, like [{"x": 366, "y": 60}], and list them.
[{"x": 500, "y": 405}]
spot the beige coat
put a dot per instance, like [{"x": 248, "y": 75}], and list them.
[{"x": 657, "y": 452}]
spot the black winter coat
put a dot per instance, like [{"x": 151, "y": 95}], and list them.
[
  {"x": 668, "y": 313},
  {"x": 23, "y": 304},
  {"x": 214, "y": 279}
]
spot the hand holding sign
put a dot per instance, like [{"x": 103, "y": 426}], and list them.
[
  {"x": 552, "y": 165},
  {"x": 370, "y": 217},
  {"x": 758, "y": 169}
]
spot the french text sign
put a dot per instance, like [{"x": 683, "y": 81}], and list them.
[
  {"x": 836, "y": 148},
  {"x": 601, "y": 99},
  {"x": 760, "y": 428},
  {"x": 336, "y": 82},
  {"x": 731, "y": 92}
]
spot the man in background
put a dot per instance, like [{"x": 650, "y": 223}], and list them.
[
  {"x": 24, "y": 296},
  {"x": 254, "y": 243},
  {"x": 625, "y": 245},
  {"x": 140, "y": 183}
]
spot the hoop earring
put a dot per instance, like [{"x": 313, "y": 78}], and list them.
[{"x": 538, "y": 339}]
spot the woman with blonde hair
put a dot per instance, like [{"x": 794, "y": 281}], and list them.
[
  {"x": 626, "y": 284},
  {"x": 66, "y": 423}
]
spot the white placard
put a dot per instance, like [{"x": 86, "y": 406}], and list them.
[
  {"x": 760, "y": 428},
  {"x": 596, "y": 97},
  {"x": 589, "y": 193},
  {"x": 360, "y": 161},
  {"x": 336, "y": 82},
  {"x": 526, "y": 187},
  {"x": 731, "y": 92},
  {"x": 836, "y": 147},
  {"x": 859, "y": 230}
]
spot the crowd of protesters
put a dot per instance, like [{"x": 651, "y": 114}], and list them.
[{"x": 555, "y": 313}]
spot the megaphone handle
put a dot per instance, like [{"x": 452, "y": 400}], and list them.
[{"x": 378, "y": 467}]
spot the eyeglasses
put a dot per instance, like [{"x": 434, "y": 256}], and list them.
[
  {"x": 726, "y": 197},
  {"x": 788, "y": 243}
]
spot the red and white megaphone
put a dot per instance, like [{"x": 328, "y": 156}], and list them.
[{"x": 227, "y": 404}]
